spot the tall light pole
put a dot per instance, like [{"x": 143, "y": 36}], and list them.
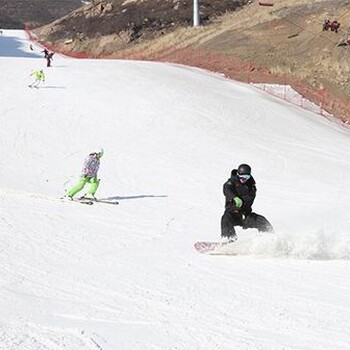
[{"x": 196, "y": 13}]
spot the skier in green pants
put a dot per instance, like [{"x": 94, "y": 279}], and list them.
[
  {"x": 39, "y": 76},
  {"x": 89, "y": 175}
]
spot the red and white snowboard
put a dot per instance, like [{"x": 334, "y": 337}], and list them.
[
  {"x": 206, "y": 247},
  {"x": 214, "y": 248}
]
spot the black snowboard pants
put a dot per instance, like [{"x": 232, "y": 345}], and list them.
[{"x": 231, "y": 219}]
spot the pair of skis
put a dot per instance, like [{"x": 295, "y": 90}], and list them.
[{"x": 89, "y": 201}]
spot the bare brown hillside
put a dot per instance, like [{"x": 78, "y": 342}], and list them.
[
  {"x": 106, "y": 26},
  {"x": 285, "y": 38}
]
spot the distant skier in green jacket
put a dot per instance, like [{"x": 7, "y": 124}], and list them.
[
  {"x": 89, "y": 175},
  {"x": 39, "y": 77}
]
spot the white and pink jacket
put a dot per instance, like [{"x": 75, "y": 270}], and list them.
[{"x": 91, "y": 166}]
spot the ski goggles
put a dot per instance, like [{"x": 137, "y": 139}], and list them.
[{"x": 244, "y": 177}]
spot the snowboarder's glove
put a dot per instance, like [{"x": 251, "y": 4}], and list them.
[{"x": 238, "y": 202}]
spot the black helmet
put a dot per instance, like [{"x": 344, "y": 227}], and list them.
[{"x": 244, "y": 169}]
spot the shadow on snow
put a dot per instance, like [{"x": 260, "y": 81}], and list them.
[
  {"x": 134, "y": 197},
  {"x": 12, "y": 47}
]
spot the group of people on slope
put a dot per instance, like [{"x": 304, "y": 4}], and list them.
[
  {"x": 333, "y": 26},
  {"x": 239, "y": 191}
]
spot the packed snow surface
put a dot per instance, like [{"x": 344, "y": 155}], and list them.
[{"x": 106, "y": 277}]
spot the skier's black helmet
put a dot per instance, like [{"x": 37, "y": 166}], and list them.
[{"x": 244, "y": 169}]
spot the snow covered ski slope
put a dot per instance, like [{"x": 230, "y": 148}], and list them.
[{"x": 105, "y": 277}]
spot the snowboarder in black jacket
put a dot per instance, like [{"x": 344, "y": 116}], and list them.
[{"x": 240, "y": 192}]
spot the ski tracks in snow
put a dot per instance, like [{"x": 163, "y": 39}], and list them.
[{"x": 17, "y": 336}]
